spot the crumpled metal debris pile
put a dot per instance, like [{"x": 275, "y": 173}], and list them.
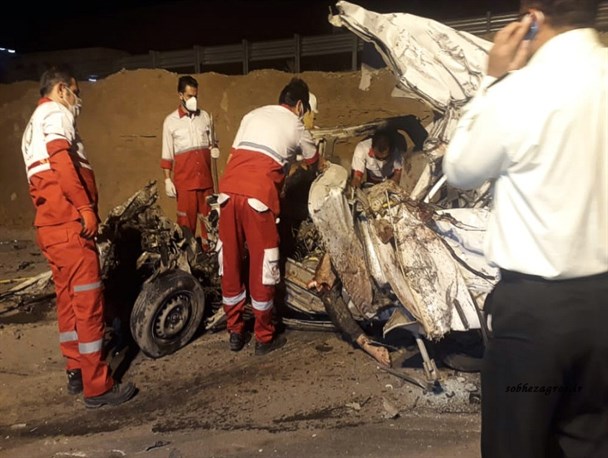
[
  {"x": 382, "y": 246},
  {"x": 34, "y": 289}
]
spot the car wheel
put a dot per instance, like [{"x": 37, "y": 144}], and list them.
[{"x": 167, "y": 313}]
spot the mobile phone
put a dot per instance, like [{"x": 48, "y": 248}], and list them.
[{"x": 533, "y": 30}]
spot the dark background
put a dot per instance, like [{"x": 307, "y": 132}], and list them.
[{"x": 137, "y": 26}]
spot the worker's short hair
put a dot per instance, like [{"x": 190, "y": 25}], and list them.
[
  {"x": 565, "y": 13},
  {"x": 53, "y": 75},
  {"x": 382, "y": 140},
  {"x": 184, "y": 81},
  {"x": 295, "y": 90}
]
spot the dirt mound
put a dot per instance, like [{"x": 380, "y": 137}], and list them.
[{"x": 123, "y": 114}]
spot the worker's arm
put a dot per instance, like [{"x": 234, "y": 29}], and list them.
[
  {"x": 397, "y": 165},
  {"x": 310, "y": 152},
  {"x": 358, "y": 165},
  {"x": 476, "y": 152},
  {"x": 59, "y": 133},
  {"x": 166, "y": 161},
  {"x": 168, "y": 150},
  {"x": 396, "y": 176},
  {"x": 356, "y": 179}
]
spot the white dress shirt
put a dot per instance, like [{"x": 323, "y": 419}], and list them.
[{"x": 542, "y": 134}]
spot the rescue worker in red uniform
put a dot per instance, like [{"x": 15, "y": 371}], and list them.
[
  {"x": 64, "y": 193},
  {"x": 267, "y": 142},
  {"x": 187, "y": 149}
]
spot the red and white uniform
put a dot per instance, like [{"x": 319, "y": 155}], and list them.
[
  {"x": 267, "y": 142},
  {"x": 377, "y": 171},
  {"x": 61, "y": 182},
  {"x": 186, "y": 151}
]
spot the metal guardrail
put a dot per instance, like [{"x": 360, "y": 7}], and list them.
[
  {"x": 491, "y": 23},
  {"x": 201, "y": 58},
  {"x": 294, "y": 49}
]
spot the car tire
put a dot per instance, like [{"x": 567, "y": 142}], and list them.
[{"x": 167, "y": 313}]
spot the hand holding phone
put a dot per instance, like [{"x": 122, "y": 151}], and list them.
[
  {"x": 511, "y": 49},
  {"x": 533, "y": 30}
]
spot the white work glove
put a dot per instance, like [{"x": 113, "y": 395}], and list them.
[
  {"x": 170, "y": 188},
  {"x": 215, "y": 153}
]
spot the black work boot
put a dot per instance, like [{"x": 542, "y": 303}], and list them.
[
  {"x": 262, "y": 349},
  {"x": 119, "y": 393},
  {"x": 237, "y": 341},
  {"x": 74, "y": 381}
]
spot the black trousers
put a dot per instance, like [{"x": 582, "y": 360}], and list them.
[{"x": 545, "y": 371}]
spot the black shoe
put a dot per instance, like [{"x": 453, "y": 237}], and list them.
[
  {"x": 237, "y": 341},
  {"x": 74, "y": 381},
  {"x": 118, "y": 394},
  {"x": 262, "y": 349}
]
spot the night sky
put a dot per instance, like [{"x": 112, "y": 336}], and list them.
[{"x": 137, "y": 26}]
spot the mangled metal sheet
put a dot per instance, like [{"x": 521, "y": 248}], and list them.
[
  {"x": 332, "y": 216},
  {"x": 424, "y": 275},
  {"x": 32, "y": 288},
  {"x": 387, "y": 241},
  {"x": 432, "y": 61},
  {"x": 463, "y": 231}
]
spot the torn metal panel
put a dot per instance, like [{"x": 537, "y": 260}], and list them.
[
  {"x": 331, "y": 214},
  {"x": 463, "y": 230},
  {"x": 34, "y": 287},
  {"x": 430, "y": 285},
  {"x": 432, "y": 61},
  {"x": 297, "y": 294},
  {"x": 390, "y": 242},
  {"x": 372, "y": 245}
]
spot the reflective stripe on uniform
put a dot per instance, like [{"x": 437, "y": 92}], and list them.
[
  {"x": 233, "y": 300},
  {"x": 90, "y": 347},
  {"x": 38, "y": 163},
  {"x": 257, "y": 146},
  {"x": 68, "y": 336},
  {"x": 262, "y": 306},
  {"x": 87, "y": 287},
  {"x": 188, "y": 150},
  {"x": 37, "y": 169},
  {"x": 182, "y": 214}
]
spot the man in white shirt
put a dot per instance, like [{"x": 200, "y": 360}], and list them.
[
  {"x": 539, "y": 127},
  {"x": 377, "y": 159}
]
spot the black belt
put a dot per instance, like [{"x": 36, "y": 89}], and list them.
[{"x": 510, "y": 275}]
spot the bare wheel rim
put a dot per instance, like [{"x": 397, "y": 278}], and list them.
[{"x": 173, "y": 316}]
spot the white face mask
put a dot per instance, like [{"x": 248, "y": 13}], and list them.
[
  {"x": 77, "y": 107},
  {"x": 191, "y": 104}
]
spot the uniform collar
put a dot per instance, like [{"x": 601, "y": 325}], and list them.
[
  {"x": 42, "y": 100},
  {"x": 181, "y": 112},
  {"x": 288, "y": 108}
]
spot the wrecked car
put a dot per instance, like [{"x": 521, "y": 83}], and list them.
[
  {"x": 356, "y": 261},
  {"x": 382, "y": 257}
]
